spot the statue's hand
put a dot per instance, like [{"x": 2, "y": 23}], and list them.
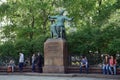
[{"x": 49, "y": 17}]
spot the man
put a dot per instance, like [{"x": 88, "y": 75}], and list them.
[
  {"x": 84, "y": 63},
  {"x": 39, "y": 62},
  {"x": 21, "y": 61},
  {"x": 60, "y": 19},
  {"x": 33, "y": 62}
]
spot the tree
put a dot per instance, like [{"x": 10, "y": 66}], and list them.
[{"x": 96, "y": 24}]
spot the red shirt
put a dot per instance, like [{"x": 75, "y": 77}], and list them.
[{"x": 112, "y": 62}]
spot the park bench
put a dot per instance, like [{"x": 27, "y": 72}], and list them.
[
  {"x": 73, "y": 69},
  {"x": 25, "y": 69},
  {"x": 69, "y": 69}
]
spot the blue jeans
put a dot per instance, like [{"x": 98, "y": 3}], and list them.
[
  {"x": 86, "y": 68},
  {"x": 21, "y": 66},
  {"x": 114, "y": 69},
  {"x": 33, "y": 67},
  {"x": 105, "y": 69}
]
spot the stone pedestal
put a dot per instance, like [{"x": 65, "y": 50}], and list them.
[{"x": 55, "y": 56}]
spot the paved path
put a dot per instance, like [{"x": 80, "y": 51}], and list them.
[
  {"x": 22, "y": 77},
  {"x": 45, "y": 76}
]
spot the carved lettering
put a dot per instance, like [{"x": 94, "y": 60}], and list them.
[{"x": 53, "y": 48}]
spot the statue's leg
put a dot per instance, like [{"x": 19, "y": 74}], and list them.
[
  {"x": 61, "y": 32},
  {"x": 51, "y": 31},
  {"x": 64, "y": 34},
  {"x": 58, "y": 31},
  {"x": 55, "y": 31},
  {"x": 52, "y": 34}
]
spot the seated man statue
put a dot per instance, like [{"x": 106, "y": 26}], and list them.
[
  {"x": 84, "y": 63},
  {"x": 59, "y": 25}
]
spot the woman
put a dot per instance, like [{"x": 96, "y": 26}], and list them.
[
  {"x": 112, "y": 64},
  {"x": 106, "y": 65}
]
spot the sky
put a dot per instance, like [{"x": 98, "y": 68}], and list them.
[
  {"x": 1, "y": 1},
  {"x": 2, "y": 23}
]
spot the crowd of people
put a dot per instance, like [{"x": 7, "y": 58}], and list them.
[
  {"x": 108, "y": 65},
  {"x": 36, "y": 61}
]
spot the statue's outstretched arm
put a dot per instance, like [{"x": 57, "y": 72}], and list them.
[
  {"x": 52, "y": 17},
  {"x": 69, "y": 19}
]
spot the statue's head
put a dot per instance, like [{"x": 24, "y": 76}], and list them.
[{"x": 61, "y": 12}]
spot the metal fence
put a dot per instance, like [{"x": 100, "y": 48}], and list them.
[{"x": 93, "y": 59}]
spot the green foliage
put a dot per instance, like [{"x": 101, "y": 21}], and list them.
[
  {"x": 22, "y": 45},
  {"x": 7, "y": 49},
  {"x": 97, "y": 24},
  {"x": 38, "y": 43},
  {"x": 114, "y": 45}
]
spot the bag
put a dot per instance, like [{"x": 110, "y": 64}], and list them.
[{"x": 9, "y": 69}]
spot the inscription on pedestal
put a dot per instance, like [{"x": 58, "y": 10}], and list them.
[{"x": 52, "y": 47}]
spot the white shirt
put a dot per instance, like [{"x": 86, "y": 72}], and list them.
[
  {"x": 33, "y": 59},
  {"x": 21, "y": 58}
]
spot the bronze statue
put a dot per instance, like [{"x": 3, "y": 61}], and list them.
[{"x": 58, "y": 28}]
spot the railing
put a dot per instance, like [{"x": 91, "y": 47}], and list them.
[{"x": 74, "y": 60}]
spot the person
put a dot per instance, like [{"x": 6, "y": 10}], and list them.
[
  {"x": 27, "y": 62},
  {"x": 60, "y": 19},
  {"x": 21, "y": 61},
  {"x": 39, "y": 62},
  {"x": 11, "y": 66},
  {"x": 84, "y": 63},
  {"x": 105, "y": 65},
  {"x": 112, "y": 64},
  {"x": 33, "y": 62}
]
